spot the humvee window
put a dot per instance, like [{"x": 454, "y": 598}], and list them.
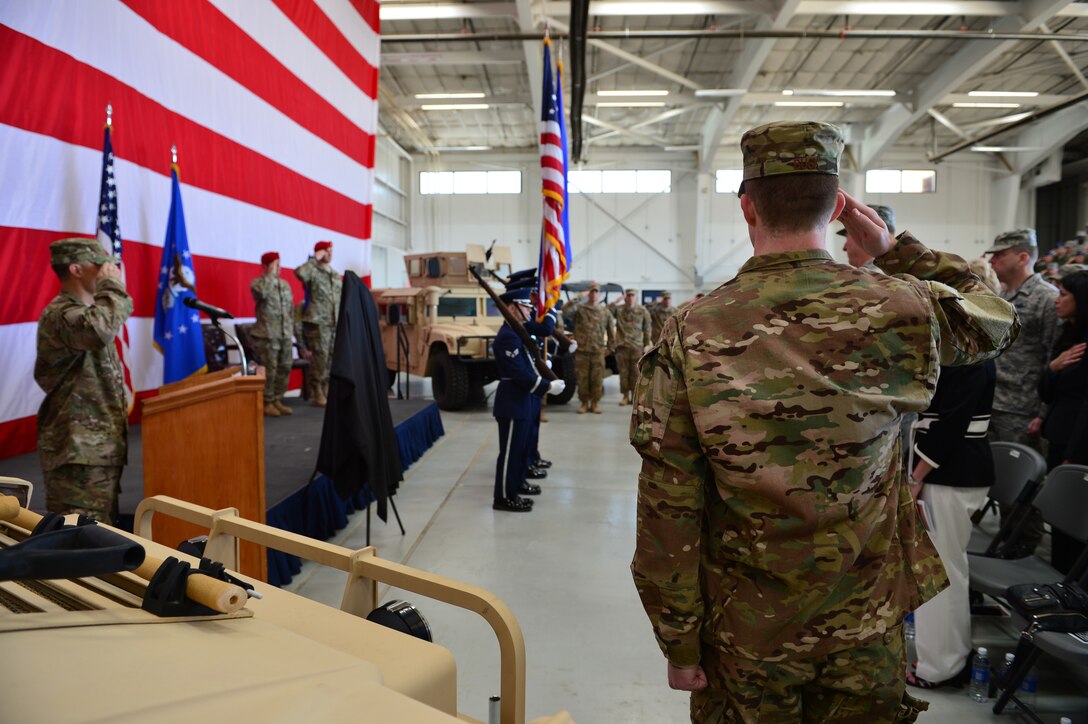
[{"x": 454, "y": 307}]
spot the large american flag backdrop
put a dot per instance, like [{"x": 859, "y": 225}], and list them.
[{"x": 272, "y": 105}]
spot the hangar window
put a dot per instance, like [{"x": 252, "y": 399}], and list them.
[
  {"x": 895, "y": 181},
  {"x": 469, "y": 182},
  {"x": 625, "y": 181},
  {"x": 727, "y": 180}
]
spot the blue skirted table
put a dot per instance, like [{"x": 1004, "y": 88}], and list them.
[{"x": 316, "y": 511}]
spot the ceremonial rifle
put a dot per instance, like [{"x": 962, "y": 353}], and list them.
[{"x": 515, "y": 324}]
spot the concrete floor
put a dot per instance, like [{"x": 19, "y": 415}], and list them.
[{"x": 563, "y": 570}]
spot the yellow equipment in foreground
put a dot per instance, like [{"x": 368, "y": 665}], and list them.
[{"x": 83, "y": 650}]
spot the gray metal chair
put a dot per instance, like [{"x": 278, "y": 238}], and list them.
[
  {"x": 1018, "y": 471},
  {"x": 1063, "y": 503}
]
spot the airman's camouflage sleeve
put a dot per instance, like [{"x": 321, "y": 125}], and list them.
[
  {"x": 306, "y": 271},
  {"x": 647, "y": 327},
  {"x": 670, "y": 501},
  {"x": 975, "y": 324},
  {"x": 93, "y": 327}
]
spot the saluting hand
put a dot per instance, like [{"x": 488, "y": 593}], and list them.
[
  {"x": 109, "y": 269},
  {"x": 690, "y": 679},
  {"x": 866, "y": 227}
]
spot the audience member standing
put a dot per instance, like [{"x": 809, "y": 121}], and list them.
[
  {"x": 83, "y": 420},
  {"x": 1017, "y": 413},
  {"x": 1063, "y": 386},
  {"x": 322, "y": 305},
  {"x": 952, "y": 470},
  {"x": 273, "y": 332},
  {"x": 633, "y": 335}
]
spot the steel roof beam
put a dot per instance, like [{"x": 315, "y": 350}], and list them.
[
  {"x": 751, "y": 59},
  {"x": 948, "y": 77}
]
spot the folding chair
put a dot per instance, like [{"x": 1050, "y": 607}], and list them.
[
  {"x": 1063, "y": 503},
  {"x": 1019, "y": 471}
]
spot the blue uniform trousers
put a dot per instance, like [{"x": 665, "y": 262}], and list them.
[
  {"x": 532, "y": 456},
  {"x": 513, "y": 449}
]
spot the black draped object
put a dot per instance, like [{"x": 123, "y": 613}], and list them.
[{"x": 358, "y": 445}]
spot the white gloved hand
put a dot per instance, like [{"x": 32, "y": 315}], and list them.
[
  {"x": 548, "y": 362},
  {"x": 573, "y": 346},
  {"x": 556, "y": 387}
]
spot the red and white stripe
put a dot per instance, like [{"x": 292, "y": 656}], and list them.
[
  {"x": 553, "y": 185},
  {"x": 272, "y": 105}
]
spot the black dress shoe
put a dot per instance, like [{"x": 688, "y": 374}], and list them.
[
  {"x": 536, "y": 473},
  {"x": 513, "y": 505},
  {"x": 529, "y": 489},
  {"x": 542, "y": 463}
]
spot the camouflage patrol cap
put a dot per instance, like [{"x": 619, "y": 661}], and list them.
[
  {"x": 790, "y": 147},
  {"x": 77, "y": 249},
  {"x": 666, "y": 295},
  {"x": 630, "y": 291},
  {"x": 593, "y": 287},
  {"x": 884, "y": 212},
  {"x": 1010, "y": 239}
]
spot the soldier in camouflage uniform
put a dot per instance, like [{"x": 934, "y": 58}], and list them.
[
  {"x": 273, "y": 332},
  {"x": 83, "y": 420},
  {"x": 594, "y": 331},
  {"x": 1018, "y": 412},
  {"x": 778, "y": 549},
  {"x": 633, "y": 335},
  {"x": 322, "y": 285},
  {"x": 659, "y": 314}
]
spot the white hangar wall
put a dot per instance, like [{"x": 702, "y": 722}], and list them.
[{"x": 688, "y": 240}]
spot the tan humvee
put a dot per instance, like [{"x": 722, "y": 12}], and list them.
[{"x": 443, "y": 325}]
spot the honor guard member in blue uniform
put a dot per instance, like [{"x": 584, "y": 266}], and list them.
[{"x": 515, "y": 410}]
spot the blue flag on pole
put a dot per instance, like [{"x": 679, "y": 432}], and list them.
[
  {"x": 177, "y": 328},
  {"x": 567, "y": 253}
]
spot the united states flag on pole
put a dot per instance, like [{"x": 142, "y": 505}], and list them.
[
  {"x": 275, "y": 104},
  {"x": 109, "y": 233},
  {"x": 554, "y": 245}
]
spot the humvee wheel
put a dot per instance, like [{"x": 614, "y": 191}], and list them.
[{"x": 449, "y": 381}]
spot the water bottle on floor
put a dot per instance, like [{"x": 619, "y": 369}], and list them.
[
  {"x": 1010, "y": 659},
  {"x": 908, "y": 627},
  {"x": 1029, "y": 687},
  {"x": 980, "y": 676}
]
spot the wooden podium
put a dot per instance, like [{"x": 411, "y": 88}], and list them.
[{"x": 203, "y": 442}]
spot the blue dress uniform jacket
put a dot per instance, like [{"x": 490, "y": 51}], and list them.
[
  {"x": 519, "y": 382},
  {"x": 516, "y": 410}
]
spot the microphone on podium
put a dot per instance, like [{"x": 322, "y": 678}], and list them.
[{"x": 213, "y": 312}]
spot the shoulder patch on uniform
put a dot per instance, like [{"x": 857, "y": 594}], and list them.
[{"x": 511, "y": 353}]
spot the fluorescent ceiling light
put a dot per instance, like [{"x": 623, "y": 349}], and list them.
[
  {"x": 809, "y": 104},
  {"x": 1002, "y": 94},
  {"x": 418, "y": 12},
  {"x": 985, "y": 105},
  {"x": 630, "y": 104},
  {"x": 462, "y": 148},
  {"x": 1005, "y": 149},
  {"x": 840, "y": 93},
  {"x": 720, "y": 92},
  {"x": 456, "y": 107},
  {"x": 448, "y": 96},
  {"x": 640, "y": 93}
]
